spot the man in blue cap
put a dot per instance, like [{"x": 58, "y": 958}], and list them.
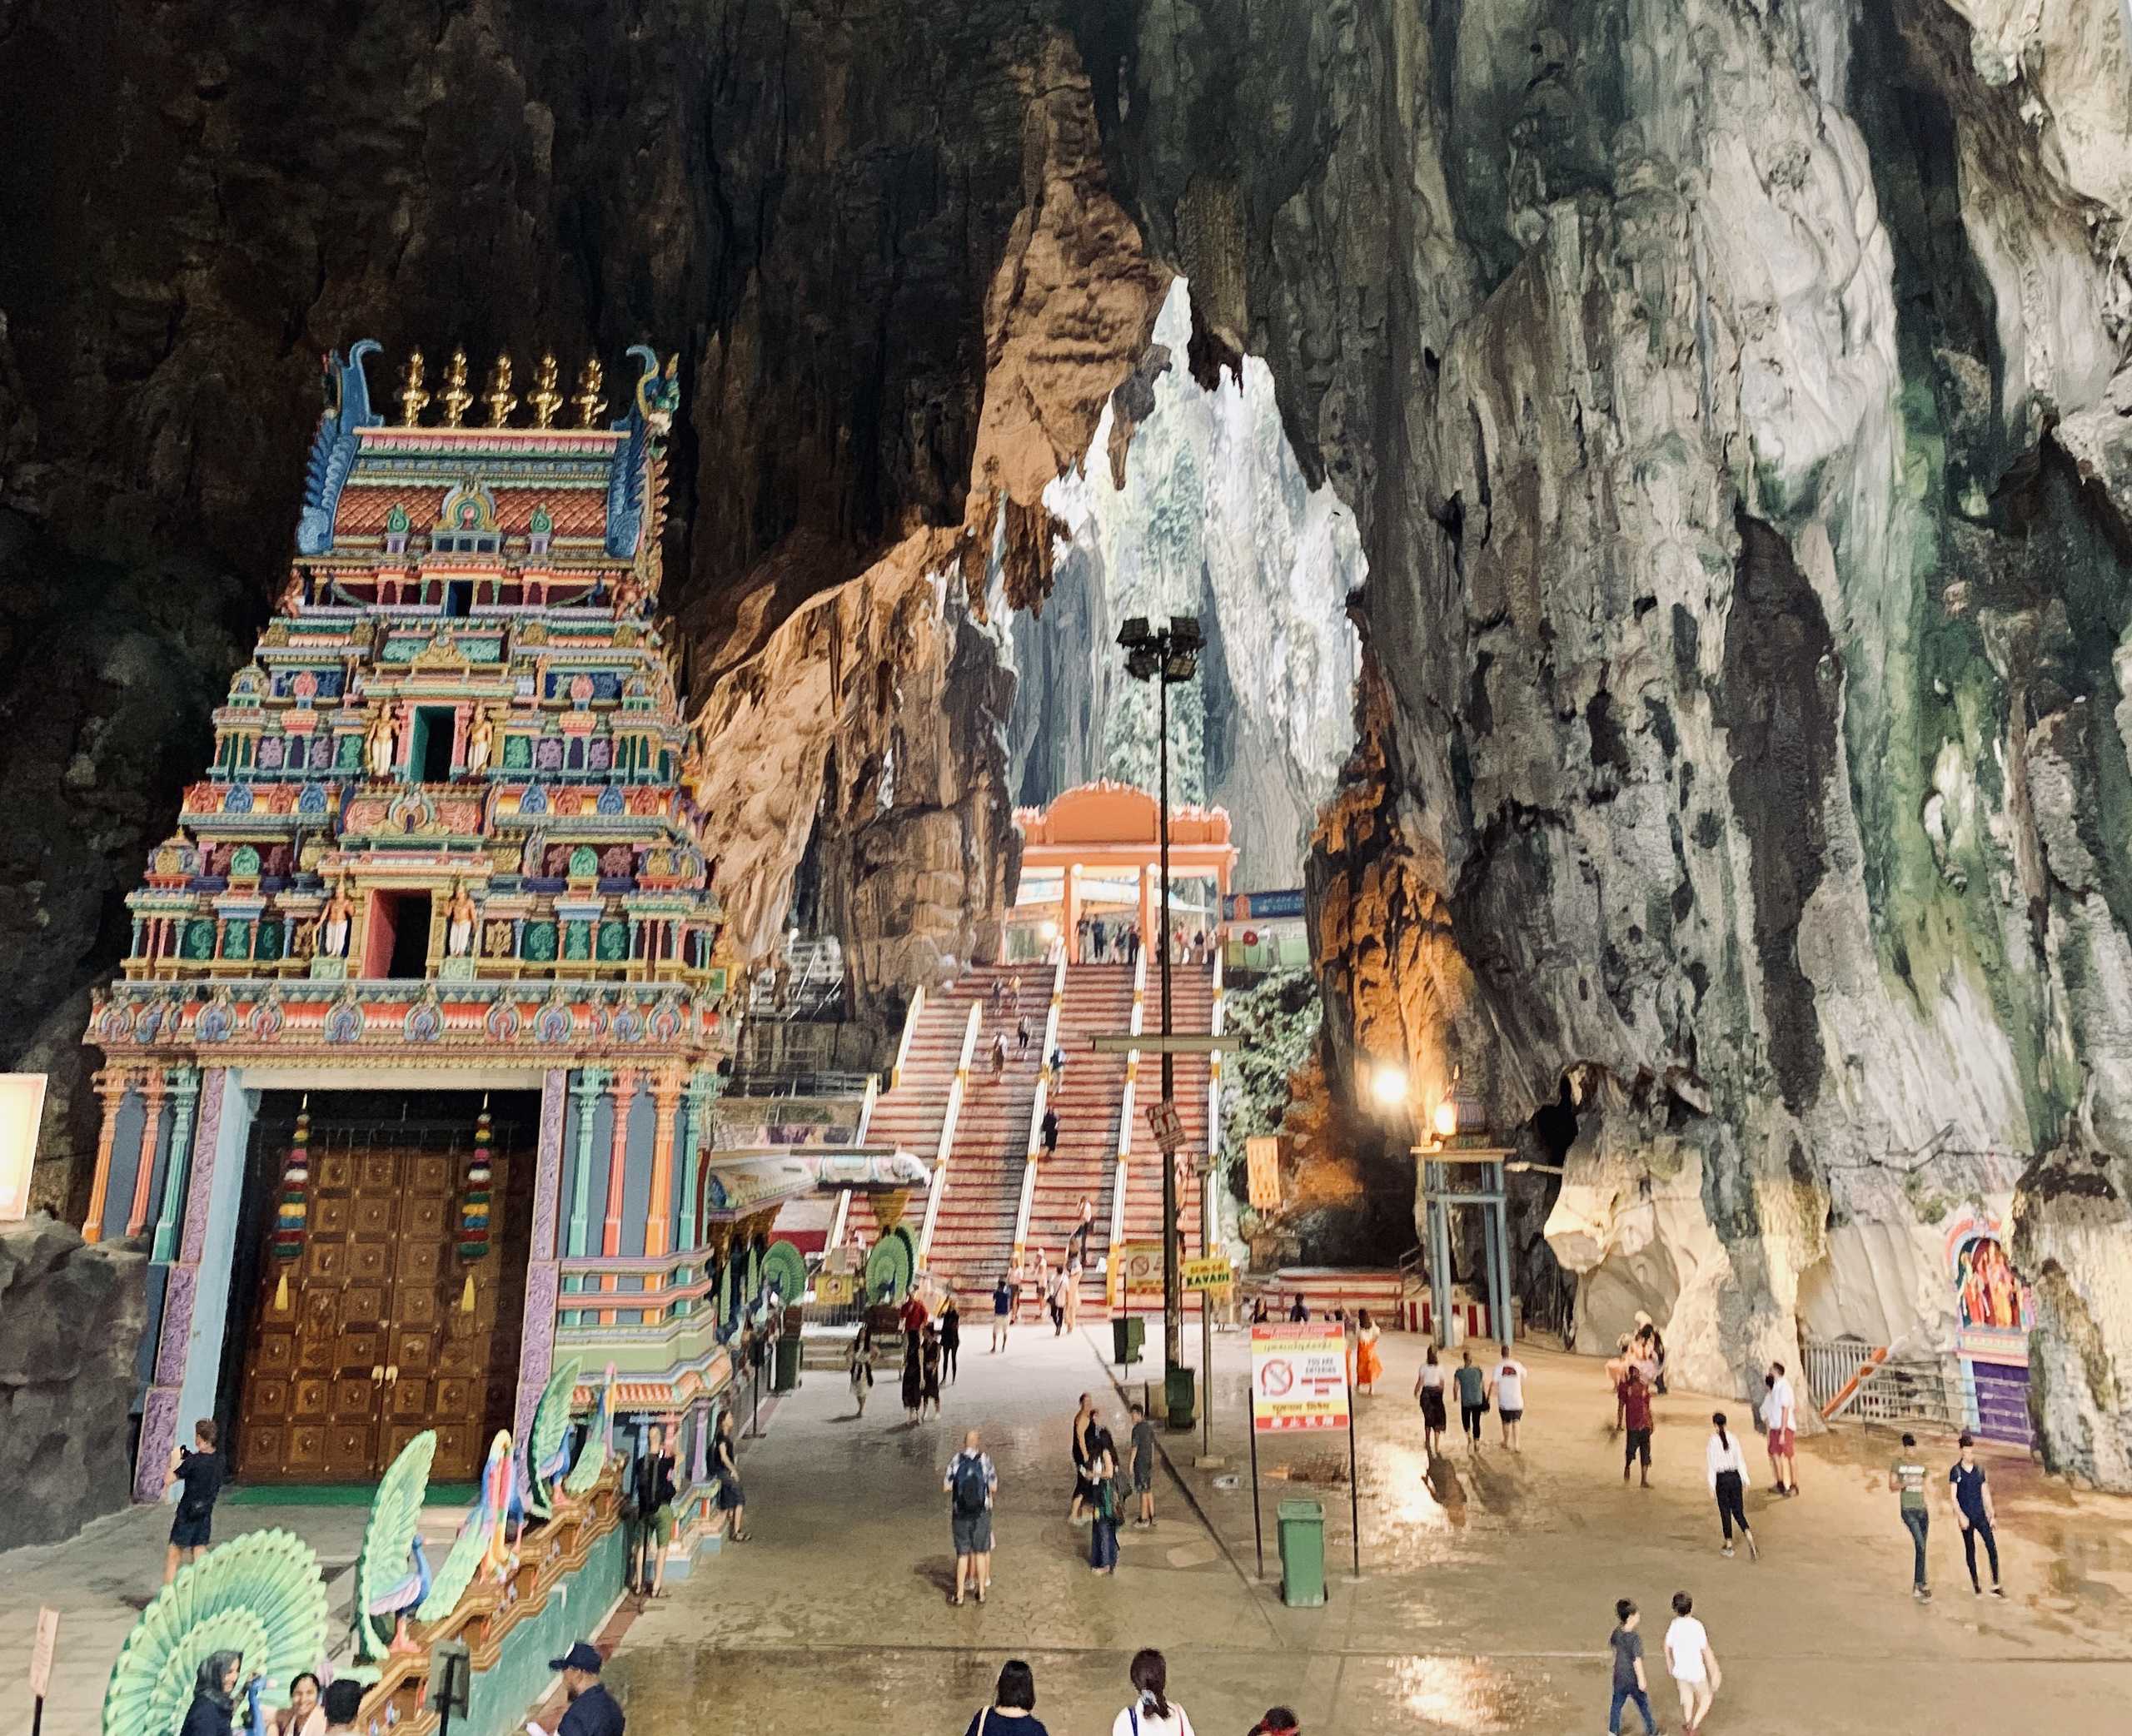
[{"x": 592, "y": 1711}]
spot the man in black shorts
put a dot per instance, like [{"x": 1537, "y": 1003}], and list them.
[
  {"x": 1632, "y": 1411},
  {"x": 201, "y": 1473}
]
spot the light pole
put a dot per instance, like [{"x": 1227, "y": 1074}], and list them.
[{"x": 1166, "y": 655}]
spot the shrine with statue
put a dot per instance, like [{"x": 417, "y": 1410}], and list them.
[{"x": 406, "y": 1077}]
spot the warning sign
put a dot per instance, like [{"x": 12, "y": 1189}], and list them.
[
  {"x": 1298, "y": 1376},
  {"x": 1168, "y": 1127}
]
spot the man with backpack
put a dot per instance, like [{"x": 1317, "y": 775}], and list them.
[{"x": 970, "y": 1484}]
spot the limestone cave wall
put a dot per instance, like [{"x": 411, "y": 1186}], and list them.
[{"x": 1724, "y": 391}]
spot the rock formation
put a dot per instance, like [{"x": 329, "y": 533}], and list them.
[
  {"x": 1723, "y": 392},
  {"x": 68, "y": 1359}
]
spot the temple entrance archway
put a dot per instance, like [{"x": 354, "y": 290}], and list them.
[{"x": 380, "y": 1288}]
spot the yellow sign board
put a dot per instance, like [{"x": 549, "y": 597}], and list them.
[
  {"x": 836, "y": 1288},
  {"x": 1136, "y": 1269},
  {"x": 1262, "y": 1163},
  {"x": 1211, "y": 1273}
]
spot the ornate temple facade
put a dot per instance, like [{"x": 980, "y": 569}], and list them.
[{"x": 407, "y": 1071}]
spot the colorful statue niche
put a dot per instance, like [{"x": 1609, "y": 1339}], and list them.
[
  {"x": 333, "y": 924},
  {"x": 481, "y": 742},
  {"x": 459, "y": 924},
  {"x": 380, "y": 745}
]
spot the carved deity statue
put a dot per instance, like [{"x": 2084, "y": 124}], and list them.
[
  {"x": 459, "y": 925},
  {"x": 380, "y": 745},
  {"x": 481, "y": 742},
  {"x": 333, "y": 923}
]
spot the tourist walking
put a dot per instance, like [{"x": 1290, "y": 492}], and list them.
[
  {"x": 1428, "y": 1388},
  {"x": 1151, "y": 1712},
  {"x": 1906, "y": 1479},
  {"x": 1781, "y": 1417},
  {"x": 862, "y": 1370},
  {"x": 1078, "y": 1243},
  {"x": 1057, "y": 1061},
  {"x": 200, "y": 1472},
  {"x": 1021, "y": 1037},
  {"x": 653, "y": 1488},
  {"x": 1055, "y": 1300},
  {"x": 970, "y": 1484},
  {"x": 1472, "y": 1398},
  {"x": 1369, "y": 1366},
  {"x": 1077, "y": 1508},
  {"x": 914, "y": 1376},
  {"x": 1630, "y": 1683},
  {"x": 1632, "y": 1411},
  {"x": 1103, "y": 1477},
  {"x": 951, "y": 1335},
  {"x": 1506, "y": 1384},
  {"x": 1728, "y": 1481},
  {"x": 928, "y": 1355},
  {"x": 591, "y": 1710},
  {"x": 1049, "y": 1128},
  {"x": 999, "y": 1054},
  {"x": 1003, "y": 1311},
  {"x": 1972, "y": 1493},
  {"x": 1691, "y": 1663},
  {"x": 1069, "y": 1296},
  {"x": 1143, "y": 1467},
  {"x": 1013, "y": 1710},
  {"x": 726, "y": 1467}
]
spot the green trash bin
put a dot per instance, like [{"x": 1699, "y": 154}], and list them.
[
  {"x": 1129, "y": 1332},
  {"x": 1302, "y": 1526},
  {"x": 784, "y": 1370}
]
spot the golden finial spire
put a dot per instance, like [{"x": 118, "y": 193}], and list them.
[
  {"x": 546, "y": 397},
  {"x": 414, "y": 395},
  {"x": 499, "y": 397},
  {"x": 591, "y": 400},
  {"x": 456, "y": 397}
]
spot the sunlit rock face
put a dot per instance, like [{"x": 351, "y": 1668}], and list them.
[
  {"x": 1722, "y": 390},
  {"x": 1190, "y": 502}
]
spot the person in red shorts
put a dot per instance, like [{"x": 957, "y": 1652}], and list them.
[{"x": 1781, "y": 1417}]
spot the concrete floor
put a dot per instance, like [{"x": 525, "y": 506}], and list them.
[{"x": 1484, "y": 1606}]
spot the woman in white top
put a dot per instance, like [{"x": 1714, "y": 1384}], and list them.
[
  {"x": 1151, "y": 1713},
  {"x": 1428, "y": 1388},
  {"x": 1728, "y": 1482}
]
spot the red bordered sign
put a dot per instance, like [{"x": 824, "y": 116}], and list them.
[{"x": 1298, "y": 1376}]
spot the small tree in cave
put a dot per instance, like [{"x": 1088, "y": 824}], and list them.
[{"x": 1278, "y": 1018}]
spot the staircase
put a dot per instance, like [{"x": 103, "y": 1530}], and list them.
[
  {"x": 981, "y": 1188},
  {"x": 911, "y": 1113},
  {"x": 1098, "y": 1000},
  {"x": 1192, "y": 1007}
]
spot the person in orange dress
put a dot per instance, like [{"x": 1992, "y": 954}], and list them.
[{"x": 1369, "y": 1366}]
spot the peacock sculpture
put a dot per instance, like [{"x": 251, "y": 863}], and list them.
[
  {"x": 592, "y": 1457},
  {"x": 393, "y": 1574},
  {"x": 260, "y": 1594},
  {"x": 548, "y": 1454},
  {"x": 483, "y": 1543}
]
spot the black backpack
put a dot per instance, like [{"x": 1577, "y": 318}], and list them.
[{"x": 969, "y": 1485}]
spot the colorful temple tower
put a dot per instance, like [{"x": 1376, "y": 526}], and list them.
[{"x": 425, "y": 1002}]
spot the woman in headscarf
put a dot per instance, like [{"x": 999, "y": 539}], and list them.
[{"x": 213, "y": 1710}]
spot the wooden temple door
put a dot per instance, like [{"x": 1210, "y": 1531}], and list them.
[{"x": 372, "y": 1344}]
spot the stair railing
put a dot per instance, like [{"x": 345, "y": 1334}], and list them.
[
  {"x": 1208, "y": 1213},
  {"x": 1027, "y": 1203},
  {"x": 1118, "y": 1175},
  {"x": 956, "y": 1092},
  {"x": 839, "y": 1220},
  {"x": 909, "y": 1031}
]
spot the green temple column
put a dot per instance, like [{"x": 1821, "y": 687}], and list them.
[
  {"x": 591, "y": 1081},
  {"x": 693, "y": 1098},
  {"x": 185, "y": 1097}
]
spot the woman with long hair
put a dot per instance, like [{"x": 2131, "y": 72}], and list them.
[
  {"x": 303, "y": 1715},
  {"x": 1151, "y": 1712},
  {"x": 1369, "y": 1364},
  {"x": 725, "y": 1466},
  {"x": 1013, "y": 1710},
  {"x": 1728, "y": 1481},
  {"x": 1428, "y": 1388}
]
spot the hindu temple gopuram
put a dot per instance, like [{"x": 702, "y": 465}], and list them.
[{"x": 424, "y": 1000}]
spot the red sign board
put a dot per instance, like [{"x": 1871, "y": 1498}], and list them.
[{"x": 1298, "y": 1376}]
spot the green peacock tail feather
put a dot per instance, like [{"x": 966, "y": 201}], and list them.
[
  {"x": 550, "y": 1423},
  {"x": 461, "y": 1564},
  {"x": 395, "y": 1517},
  {"x": 260, "y": 1594},
  {"x": 592, "y": 1457}
]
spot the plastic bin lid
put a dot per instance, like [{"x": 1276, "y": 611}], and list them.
[{"x": 1302, "y": 1509}]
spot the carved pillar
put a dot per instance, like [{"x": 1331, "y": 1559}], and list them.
[
  {"x": 111, "y": 1084},
  {"x": 144, "y": 1172},
  {"x": 692, "y": 1102},
  {"x": 586, "y": 1089},
  {"x": 1069, "y": 912},
  {"x": 185, "y": 1095},
  {"x": 618, "y": 1154},
  {"x": 659, "y": 1223}
]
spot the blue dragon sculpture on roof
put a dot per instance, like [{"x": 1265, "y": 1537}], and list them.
[
  {"x": 333, "y": 447},
  {"x": 650, "y": 417}
]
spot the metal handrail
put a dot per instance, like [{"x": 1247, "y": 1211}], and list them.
[
  {"x": 1121, "y": 1174},
  {"x": 956, "y": 1092},
  {"x": 1027, "y": 1203},
  {"x": 1207, "y": 1214}
]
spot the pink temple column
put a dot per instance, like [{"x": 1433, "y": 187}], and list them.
[
  {"x": 144, "y": 1172},
  {"x": 617, "y": 1158},
  {"x": 537, "y": 1351}
]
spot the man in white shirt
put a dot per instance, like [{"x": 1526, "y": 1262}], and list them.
[
  {"x": 1781, "y": 1417},
  {"x": 1691, "y": 1663},
  {"x": 1507, "y": 1381}
]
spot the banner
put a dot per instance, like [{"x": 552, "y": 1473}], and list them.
[
  {"x": 1211, "y": 1273},
  {"x": 1262, "y": 1164},
  {"x": 1263, "y": 906},
  {"x": 1298, "y": 1376}
]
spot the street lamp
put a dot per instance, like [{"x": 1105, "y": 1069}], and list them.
[{"x": 1166, "y": 655}]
